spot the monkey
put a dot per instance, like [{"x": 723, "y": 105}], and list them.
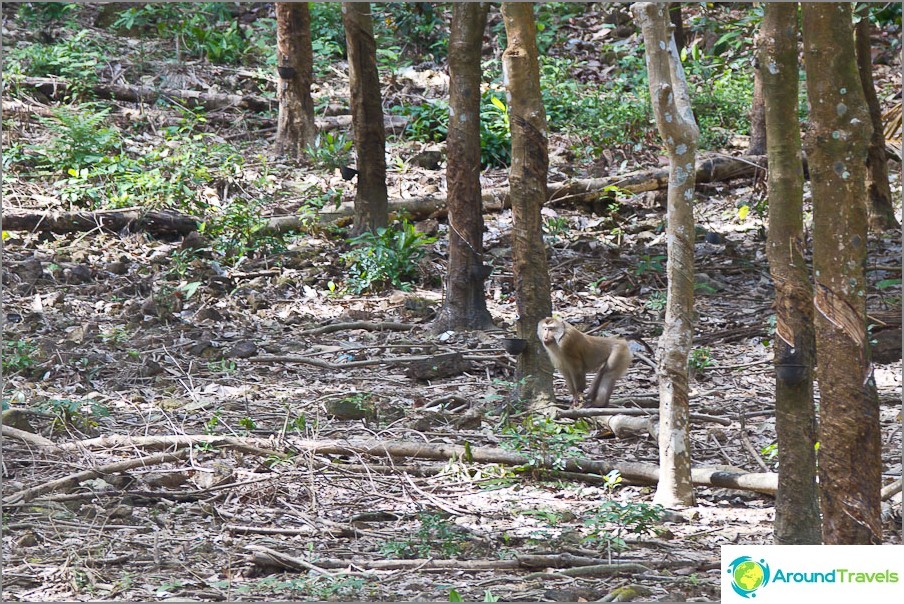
[{"x": 575, "y": 354}]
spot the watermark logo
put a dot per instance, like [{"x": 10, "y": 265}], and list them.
[{"x": 748, "y": 575}]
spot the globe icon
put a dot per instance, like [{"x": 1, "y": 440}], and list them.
[{"x": 748, "y": 575}]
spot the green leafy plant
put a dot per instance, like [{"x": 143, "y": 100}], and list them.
[
  {"x": 648, "y": 263},
  {"x": 71, "y": 412},
  {"x": 330, "y": 151},
  {"x": 206, "y": 30},
  {"x": 700, "y": 359},
  {"x": 435, "y": 535},
  {"x": 80, "y": 138},
  {"x": 612, "y": 520},
  {"x": 427, "y": 122},
  {"x": 18, "y": 356},
  {"x": 555, "y": 226},
  {"x": 656, "y": 301},
  {"x": 45, "y": 13},
  {"x": 421, "y": 25},
  {"x": 387, "y": 257},
  {"x": 74, "y": 58},
  {"x": 495, "y": 131},
  {"x": 542, "y": 440}
]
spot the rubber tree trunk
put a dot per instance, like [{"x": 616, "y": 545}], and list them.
[
  {"x": 295, "y": 129},
  {"x": 527, "y": 181},
  {"x": 797, "y": 519},
  {"x": 465, "y": 303},
  {"x": 881, "y": 213},
  {"x": 675, "y": 120},
  {"x": 371, "y": 198},
  {"x": 850, "y": 461},
  {"x": 758, "y": 132}
]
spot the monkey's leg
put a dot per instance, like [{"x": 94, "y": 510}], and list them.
[{"x": 599, "y": 381}]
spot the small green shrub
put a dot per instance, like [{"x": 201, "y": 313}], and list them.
[
  {"x": 18, "y": 355},
  {"x": 427, "y": 122},
  {"x": 495, "y": 131},
  {"x": 70, "y": 412},
  {"x": 631, "y": 518},
  {"x": 700, "y": 359},
  {"x": 436, "y": 535},
  {"x": 207, "y": 30},
  {"x": 541, "y": 439},
  {"x": 80, "y": 138},
  {"x": 75, "y": 59},
  {"x": 330, "y": 151},
  {"x": 387, "y": 257}
]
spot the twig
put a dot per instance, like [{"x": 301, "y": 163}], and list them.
[
  {"x": 368, "y": 325},
  {"x": 73, "y": 480},
  {"x": 602, "y": 411},
  {"x": 264, "y": 555}
]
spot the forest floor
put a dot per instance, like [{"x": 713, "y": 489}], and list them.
[{"x": 126, "y": 334}]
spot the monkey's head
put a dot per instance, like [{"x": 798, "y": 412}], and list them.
[{"x": 550, "y": 331}]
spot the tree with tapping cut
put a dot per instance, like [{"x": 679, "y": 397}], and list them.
[
  {"x": 465, "y": 303},
  {"x": 295, "y": 128},
  {"x": 850, "y": 452},
  {"x": 797, "y": 500},
  {"x": 527, "y": 182},
  {"x": 881, "y": 212},
  {"x": 675, "y": 120},
  {"x": 371, "y": 198}
]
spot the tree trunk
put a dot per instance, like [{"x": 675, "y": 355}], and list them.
[
  {"x": 295, "y": 127},
  {"x": 465, "y": 303},
  {"x": 850, "y": 460},
  {"x": 797, "y": 501},
  {"x": 757, "y": 143},
  {"x": 367, "y": 118},
  {"x": 881, "y": 212},
  {"x": 527, "y": 181},
  {"x": 675, "y": 120},
  {"x": 678, "y": 23}
]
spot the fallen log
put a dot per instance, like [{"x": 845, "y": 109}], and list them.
[
  {"x": 167, "y": 223},
  {"x": 636, "y": 472},
  {"x": 417, "y": 208},
  {"x": 716, "y": 169},
  {"x": 56, "y": 88}
]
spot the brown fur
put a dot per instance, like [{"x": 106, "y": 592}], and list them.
[{"x": 576, "y": 354}]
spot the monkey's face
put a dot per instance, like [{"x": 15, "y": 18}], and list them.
[{"x": 549, "y": 331}]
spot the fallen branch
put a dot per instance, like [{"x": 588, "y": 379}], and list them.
[
  {"x": 56, "y": 88},
  {"x": 168, "y": 223},
  {"x": 597, "y": 570},
  {"x": 165, "y": 223},
  {"x": 641, "y": 473},
  {"x": 367, "y": 325},
  {"x": 602, "y": 411},
  {"x": 247, "y": 444},
  {"x": 26, "y": 436},
  {"x": 265, "y": 556},
  {"x": 73, "y": 480}
]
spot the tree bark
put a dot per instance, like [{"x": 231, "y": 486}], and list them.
[
  {"x": 881, "y": 213},
  {"x": 675, "y": 120},
  {"x": 465, "y": 303},
  {"x": 797, "y": 502},
  {"x": 678, "y": 23},
  {"x": 527, "y": 181},
  {"x": 367, "y": 118},
  {"x": 295, "y": 128},
  {"x": 758, "y": 134},
  {"x": 850, "y": 461}
]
